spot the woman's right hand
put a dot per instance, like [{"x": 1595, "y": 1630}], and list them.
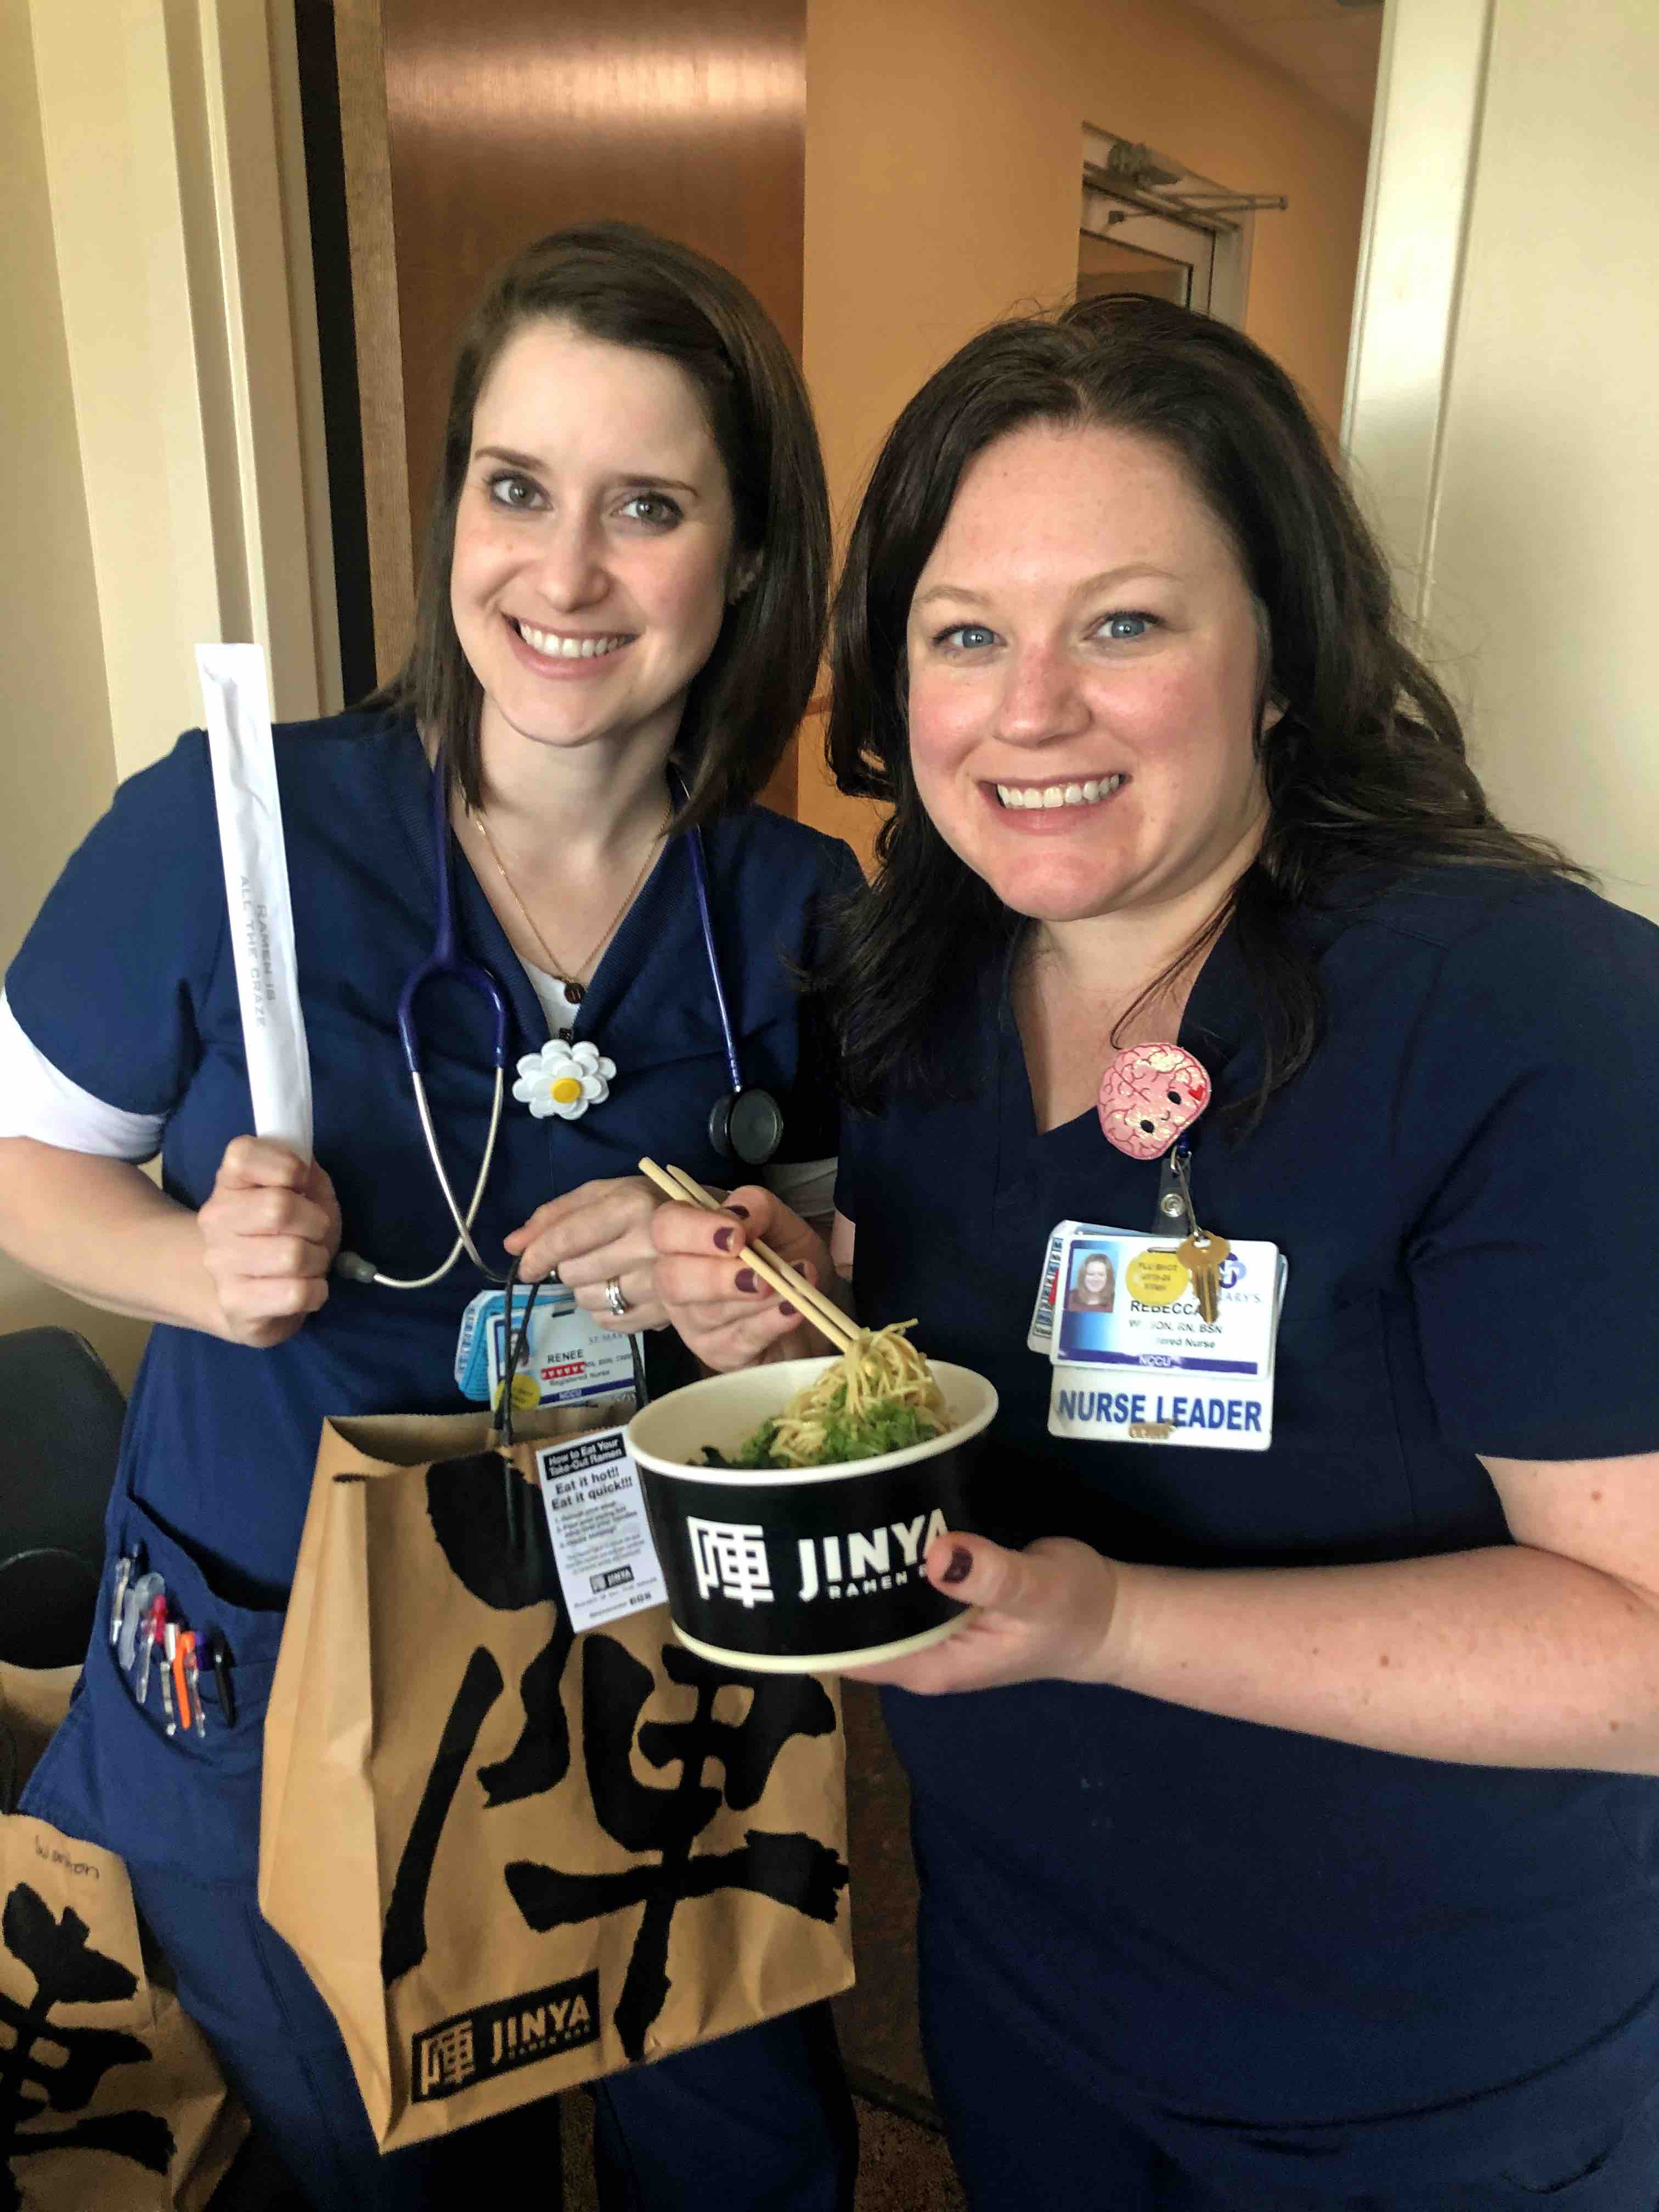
[
  {"x": 722, "y": 1309},
  {"x": 269, "y": 1231}
]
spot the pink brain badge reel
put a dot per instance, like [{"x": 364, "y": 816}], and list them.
[{"x": 1148, "y": 1095}]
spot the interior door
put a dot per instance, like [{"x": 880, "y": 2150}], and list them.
[{"x": 469, "y": 130}]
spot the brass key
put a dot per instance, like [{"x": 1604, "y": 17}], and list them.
[{"x": 1201, "y": 1256}]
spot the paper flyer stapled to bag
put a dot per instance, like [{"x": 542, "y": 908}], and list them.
[{"x": 236, "y": 697}]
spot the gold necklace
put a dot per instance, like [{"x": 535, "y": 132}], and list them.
[{"x": 574, "y": 990}]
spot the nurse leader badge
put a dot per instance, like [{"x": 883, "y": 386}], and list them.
[
  {"x": 1148, "y": 1095},
  {"x": 565, "y": 1080},
  {"x": 1166, "y": 1336}
]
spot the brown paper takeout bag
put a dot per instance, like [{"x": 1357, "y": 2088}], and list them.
[
  {"x": 110, "y": 2098},
  {"x": 513, "y": 1859}
]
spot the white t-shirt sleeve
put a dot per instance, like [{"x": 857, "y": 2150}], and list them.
[{"x": 37, "y": 1100}]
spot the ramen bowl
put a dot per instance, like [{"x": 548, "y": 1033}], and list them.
[{"x": 803, "y": 1570}]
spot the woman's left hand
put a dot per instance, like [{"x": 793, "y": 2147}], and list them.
[
  {"x": 598, "y": 1234},
  {"x": 1042, "y": 1614}
]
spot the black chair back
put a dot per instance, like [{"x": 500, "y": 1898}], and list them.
[{"x": 61, "y": 1412}]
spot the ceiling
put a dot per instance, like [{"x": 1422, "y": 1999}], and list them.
[{"x": 1329, "y": 48}]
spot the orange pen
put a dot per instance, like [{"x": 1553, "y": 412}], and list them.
[{"x": 176, "y": 1659}]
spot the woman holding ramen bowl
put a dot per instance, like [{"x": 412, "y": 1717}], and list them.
[{"x": 1286, "y": 1806}]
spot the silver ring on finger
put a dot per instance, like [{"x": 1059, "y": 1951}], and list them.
[{"x": 615, "y": 1302}]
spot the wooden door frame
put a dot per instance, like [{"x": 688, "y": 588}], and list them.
[
  {"x": 1425, "y": 144},
  {"x": 360, "y": 53}
]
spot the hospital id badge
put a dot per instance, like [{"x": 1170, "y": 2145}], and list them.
[
  {"x": 568, "y": 1360},
  {"x": 1135, "y": 1362}
]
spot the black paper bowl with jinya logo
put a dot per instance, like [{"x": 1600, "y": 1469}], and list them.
[{"x": 803, "y": 1570}]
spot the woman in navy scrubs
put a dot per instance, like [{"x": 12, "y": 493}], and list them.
[
  {"x": 619, "y": 628},
  {"x": 1286, "y": 1820}
]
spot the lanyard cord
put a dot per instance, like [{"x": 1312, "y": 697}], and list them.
[{"x": 516, "y": 1344}]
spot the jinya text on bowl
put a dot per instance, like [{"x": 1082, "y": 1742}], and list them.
[{"x": 803, "y": 1570}]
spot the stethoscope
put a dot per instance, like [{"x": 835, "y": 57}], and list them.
[{"x": 745, "y": 1124}]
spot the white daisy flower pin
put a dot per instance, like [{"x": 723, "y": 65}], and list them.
[{"x": 565, "y": 1080}]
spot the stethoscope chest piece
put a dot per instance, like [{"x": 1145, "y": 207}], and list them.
[{"x": 746, "y": 1125}]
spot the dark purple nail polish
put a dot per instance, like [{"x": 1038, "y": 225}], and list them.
[
  {"x": 742, "y": 1212},
  {"x": 786, "y": 1308},
  {"x": 723, "y": 1239},
  {"x": 748, "y": 1281},
  {"x": 961, "y": 1566}
]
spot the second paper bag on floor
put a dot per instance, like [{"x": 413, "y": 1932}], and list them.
[{"x": 510, "y": 1857}]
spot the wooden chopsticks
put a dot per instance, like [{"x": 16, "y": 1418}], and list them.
[{"x": 823, "y": 1312}]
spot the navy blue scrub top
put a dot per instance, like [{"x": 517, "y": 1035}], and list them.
[
  {"x": 1225, "y": 1919},
  {"x": 125, "y": 983}
]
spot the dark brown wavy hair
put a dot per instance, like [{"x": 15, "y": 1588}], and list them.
[
  {"x": 616, "y": 282},
  {"x": 1364, "y": 769}
]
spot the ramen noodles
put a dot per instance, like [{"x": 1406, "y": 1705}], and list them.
[{"x": 880, "y": 1396}]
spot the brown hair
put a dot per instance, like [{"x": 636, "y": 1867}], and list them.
[
  {"x": 1364, "y": 768},
  {"x": 617, "y": 283}
]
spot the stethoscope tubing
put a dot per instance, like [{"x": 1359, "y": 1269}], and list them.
[
  {"x": 464, "y": 1222},
  {"x": 700, "y": 878},
  {"x": 445, "y": 959}
]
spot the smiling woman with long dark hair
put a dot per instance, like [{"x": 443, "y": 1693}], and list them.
[
  {"x": 621, "y": 616},
  {"x": 1286, "y": 1808}
]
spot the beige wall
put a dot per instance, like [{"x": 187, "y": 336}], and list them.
[
  {"x": 943, "y": 172},
  {"x": 161, "y": 126},
  {"x": 161, "y": 471},
  {"x": 57, "y": 759},
  {"x": 1501, "y": 416}
]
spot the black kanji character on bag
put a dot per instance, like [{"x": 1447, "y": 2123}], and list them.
[
  {"x": 66, "y": 1971},
  {"x": 464, "y": 1500},
  {"x": 796, "y": 1870}
]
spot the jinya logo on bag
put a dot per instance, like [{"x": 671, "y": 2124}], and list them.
[{"x": 495, "y": 2038}]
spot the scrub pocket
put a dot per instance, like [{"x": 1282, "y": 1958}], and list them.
[
  {"x": 1604, "y": 2170},
  {"x": 185, "y": 1799}
]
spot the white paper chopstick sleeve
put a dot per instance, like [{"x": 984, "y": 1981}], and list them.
[{"x": 236, "y": 696}]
